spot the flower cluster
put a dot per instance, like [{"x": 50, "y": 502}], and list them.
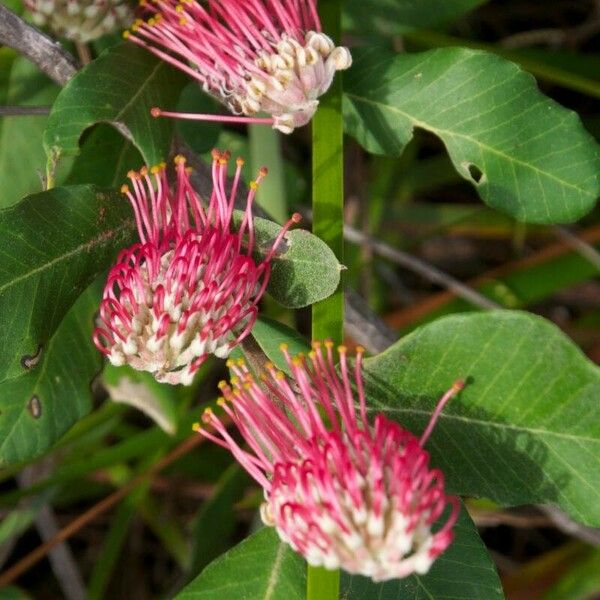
[
  {"x": 340, "y": 491},
  {"x": 81, "y": 20},
  {"x": 253, "y": 55},
  {"x": 190, "y": 287}
]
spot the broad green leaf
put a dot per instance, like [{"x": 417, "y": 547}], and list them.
[
  {"x": 22, "y": 157},
  {"x": 105, "y": 158},
  {"x": 525, "y": 154},
  {"x": 523, "y": 429},
  {"x": 260, "y": 568},
  {"x": 392, "y": 17},
  {"x": 464, "y": 571},
  {"x": 52, "y": 245},
  {"x": 270, "y": 334},
  {"x": 304, "y": 270},
  {"x": 119, "y": 87},
  {"x": 39, "y": 406},
  {"x": 140, "y": 390}
]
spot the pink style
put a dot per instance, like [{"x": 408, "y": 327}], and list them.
[
  {"x": 341, "y": 492},
  {"x": 190, "y": 287},
  {"x": 255, "y": 56}
]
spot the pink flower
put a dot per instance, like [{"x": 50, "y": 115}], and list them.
[
  {"x": 340, "y": 491},
  {"x": 253, "y": 55},
  {"x": 190, "y": 288}
]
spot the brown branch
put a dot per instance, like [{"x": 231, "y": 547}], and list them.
[
  {"x": 421, "y": 267},
  {"x": 89, "y": 515},
  {"x": 41, "y": 50}
]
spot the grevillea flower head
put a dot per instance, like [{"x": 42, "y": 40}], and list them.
[
  {"x": 190, "y": 287},
  {"x": 81, "y": 20},
  {"x": 340, "y": 491},
  {"x": 253, "y": 55}
]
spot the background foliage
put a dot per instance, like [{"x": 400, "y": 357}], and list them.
[{"x": 471, "y": 141}]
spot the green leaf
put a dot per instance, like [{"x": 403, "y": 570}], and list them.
[
  {"x": 39, "y": 406},
  {"x": 119, "y": 87},
  {"x": 22, "y": 157},
  {"x": 463, "y": 571},
  {"x": 140, "y": 390},
  {"x": 393, "y": 17},
  {"x": 52, "y": 245},
  {"x": 261, "y": 567},
  {"x": 525, "y": 154},
  {"x": 105, "y": 158},
  {"x": 270, "y": 334},
  {"x": 522, "y": 430},
  {"x": 304, "y": 270}
]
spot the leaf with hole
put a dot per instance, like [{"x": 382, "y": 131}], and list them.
[
  {"x": 523, "y": 430},
  {"x": 525, "y": 154},
  {"x": 52, "y": 246},
  {"x": 37, "y": 407},
  {"x": 119, "y": 87}
]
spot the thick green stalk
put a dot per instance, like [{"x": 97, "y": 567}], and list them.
[
  {"x": 265, "y": 150},
  {"x": 328, "y": 184},
  {"x": 328, "y": 222},
  {"x": 322, "y": 584}
]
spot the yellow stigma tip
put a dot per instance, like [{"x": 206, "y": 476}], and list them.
[
  {"x": 183, "y": 21},
  {"x": 208, "y": 411},
  {"x": 144, "y": 171},
  {"x": 269, "y": 365},
  {"x": 297, "y": 361},
  {"x": 328, "y": 344},
  {"x": 155, "y": 170},
  {"x": 126, "y": 34},
  {"x": 280, "y": 375},
  {"x": 180, "y": 159},
  {"x": 221, "y": 401},
  {"x": 196, "y": 427},
  {"x": 229, "y": 363},
  {"x": 283, "y": 347},
  {"x": 253, "y": 185},
  {"x": 235, "y": 380},
  {"x": 342, "y": 349},
  {"x": 241, "y": 362},
  {"x": 222, "y": 384},
  {"x": 359, "y": 349},
  {"x": 124, "y": 189},
  {"x": 239, "y": 161}
]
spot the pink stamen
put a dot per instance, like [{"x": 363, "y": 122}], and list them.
[{"x": 457, "y": 386}]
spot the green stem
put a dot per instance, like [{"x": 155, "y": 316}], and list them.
[
  {"x": 322, "y": 584},
  {"x": 265, "y": 150},
  {"x": 328, "y": 223},
  {"x": 328, "y": 184}
]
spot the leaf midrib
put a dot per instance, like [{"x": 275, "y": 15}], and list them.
[
  {"x": 418, "y": 123},
  {"x": 127, "y": 224},
  {"x": 496, "y": 425}
]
